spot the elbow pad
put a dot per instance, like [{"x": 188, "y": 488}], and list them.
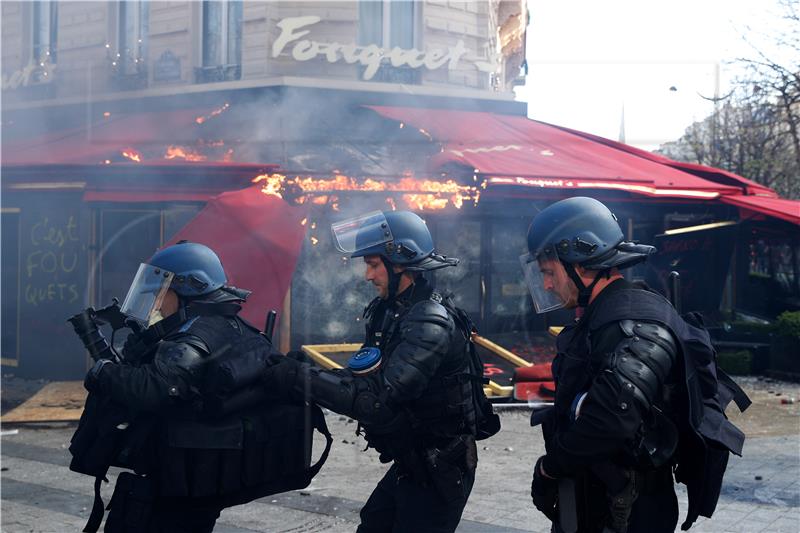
[
  {"x": 347, "y": 395},
  {"x": 643, "y": 359}
]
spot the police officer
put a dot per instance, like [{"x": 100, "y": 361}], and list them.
[
  {"x": 412, "y": 386},
  {"x": 189, "y": 463},
  {"x": 610, "y": 436}
]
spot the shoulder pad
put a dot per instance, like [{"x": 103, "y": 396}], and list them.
[
  {"x": 642, "y": 360},
  {"x": 429, "y": 311},
  {"x": 207, "y": 333},
  {"x": 180, "y": 354}
]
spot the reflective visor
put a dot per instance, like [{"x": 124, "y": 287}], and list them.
[
  {"x": 144, "y": 298},
  {"x": 543, "y": 300},
  {"x": 361, "y": 233}
]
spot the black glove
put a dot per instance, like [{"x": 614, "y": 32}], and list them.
[
  {"x": 544, "y": 492},
  {"x": 92, "y": 380},
  {"x": 299, "y": 356},
  {"x": 284, "y": 376}
]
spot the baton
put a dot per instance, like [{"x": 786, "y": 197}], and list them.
[{"x": 567, "y": 510}]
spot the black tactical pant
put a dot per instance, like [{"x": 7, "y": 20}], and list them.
[
  {"x": 654, "y": 511},
  {"x": 401, "y": 505}
]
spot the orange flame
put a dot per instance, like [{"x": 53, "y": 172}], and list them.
[
  {"x": 183, "y": 152},
  {"x": 214, "y": 113},
  {"x": 132, "y": 154},
  {"x": 303, "y": 222},
  {"x": 416, "y": 193}
]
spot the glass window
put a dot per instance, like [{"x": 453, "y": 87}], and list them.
[
  {"x": 128, "y": 237},
  {"x": 387, "y": 23},
  {"x": 134, "y": 20},
  {"x": 222, "y": 33},
  {"x": 10, "y": 287},
  {"x": 45, "y": 30},
  {"x": 401, "y": 24},
  {"x": 462, "y": 239},
  {"x": 370, "y": 22}
]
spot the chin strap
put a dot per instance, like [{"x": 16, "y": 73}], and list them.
[
  {"x": 394, "y": 279},
  {"x": 584, "y": 292}
]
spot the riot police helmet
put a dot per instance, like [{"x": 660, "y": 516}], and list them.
[
  {"x": 399, "y": 237},
  {"x": 575, "y": 231},
  {"x": 191, "y": 270}
]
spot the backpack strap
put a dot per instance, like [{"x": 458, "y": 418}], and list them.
[
  {"x": 98, "y": 508},
  {"x": 318, "y": 421}
]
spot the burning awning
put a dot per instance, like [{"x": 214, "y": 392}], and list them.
[
  {"x": 788, "y": 210},
  {"x": 514, "y": 150},
  {"x": 114, "y": 137}
]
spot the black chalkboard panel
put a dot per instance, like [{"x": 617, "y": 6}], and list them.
[{"x": 52, "y": 284}]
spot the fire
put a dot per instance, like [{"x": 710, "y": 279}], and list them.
[
  {"x": 132, "y": 154},
  {"x": 273, "y": 184},
  {"x": 214, "y": 113},
  {"x": 420, "y": 194},
  {"x": 314, "y": 241},
  {"x": 183, "y": 152},
  {"x": 303, "y": 222}
]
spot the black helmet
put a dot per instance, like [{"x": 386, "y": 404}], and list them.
[
  {"x": 583, "y": 231},
  {"x": 190, "y": 269},
  {"x": 400, "y": 237},
  {"x": 577, "y": 231}
]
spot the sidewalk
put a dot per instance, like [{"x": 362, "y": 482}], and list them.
[{"x": 40, "y": 494}]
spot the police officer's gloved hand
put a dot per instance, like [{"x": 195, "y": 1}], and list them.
[
  {"x": 93, "y": 377},
  {"x": 284, "y": 375},
  {"x": 299, "y": 356},
  {"x": 544, "y": 492}
]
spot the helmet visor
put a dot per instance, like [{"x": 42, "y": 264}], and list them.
[
  {"x": 144, "y": 298},
  {"x": 545, "y": 277},
  {"x": 361, "y": 233}
]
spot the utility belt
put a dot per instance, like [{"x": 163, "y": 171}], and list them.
[{"x": 442, "y": 468}]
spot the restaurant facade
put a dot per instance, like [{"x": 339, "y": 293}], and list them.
[{"x": 127, "y": 125}]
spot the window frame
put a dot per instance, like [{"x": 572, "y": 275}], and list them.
[
  {"x": 130, "y": 60},
  {"x": 36, "y": 11}
]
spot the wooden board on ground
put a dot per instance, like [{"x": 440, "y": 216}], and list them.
[{"x": 60, "y": 401}]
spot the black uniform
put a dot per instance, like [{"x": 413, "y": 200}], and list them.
[
  {"x": 193, "y": 464},
  {"x": 619, "y": 377},
  {"x": 417, "y": 410}
]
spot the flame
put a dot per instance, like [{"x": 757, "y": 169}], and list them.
[
  {"x": 303, "y": 222},
  {"x": 314, "y": 241},
  {"x": 132, "y": 154},
  {"x": 183, "y": 152},
  {"x": 107, "y": 162},
  {"x": 420, "y": 194},
  {"x": 214, "y": 113},
  {"x": 228, "y": 155},
  {"x": 273, "y": 184},
  {"x": 426, "y": 134}
]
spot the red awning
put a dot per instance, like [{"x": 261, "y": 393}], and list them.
[
  {"x": 788, "y": 210},
  {"x": 514, "y": 150},
  {"x": 258, "y": 237},
  {"x": 709, "y": 173},
  {"x": 146, "y": 135}
]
